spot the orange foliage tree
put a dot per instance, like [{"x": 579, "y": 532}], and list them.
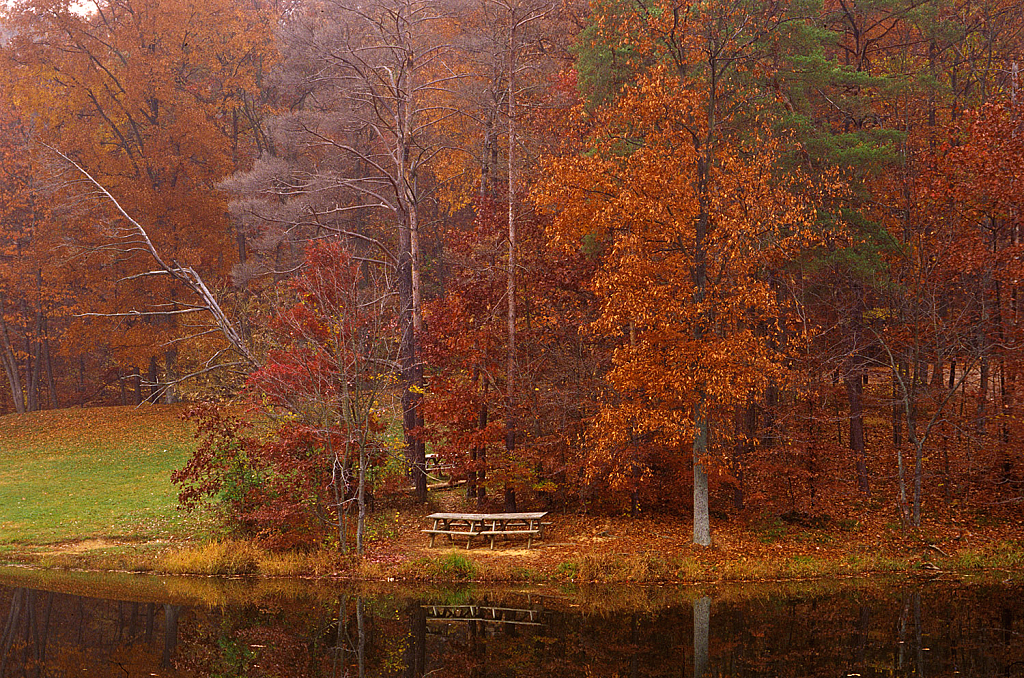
[
  {"x": 693, "y": 224},
  {"x": 34, "y": 295},
  {"x": 682, "y": 190},
  {"x": 158, "y": 99}
]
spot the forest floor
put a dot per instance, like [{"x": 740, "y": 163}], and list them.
[
  {"x": 90, "y": 489},
  {"x": 751, "y": 546}
]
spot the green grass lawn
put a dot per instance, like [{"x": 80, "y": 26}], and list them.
[{"x": 91, "y": 473}]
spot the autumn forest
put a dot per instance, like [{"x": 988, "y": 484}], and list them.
[{"x": 631, "y": 256}]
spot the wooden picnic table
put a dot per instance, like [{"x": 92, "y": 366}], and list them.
[{"x": 491, "y": 525}]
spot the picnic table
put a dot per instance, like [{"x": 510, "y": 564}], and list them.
[{"x": 491, "y": 525}]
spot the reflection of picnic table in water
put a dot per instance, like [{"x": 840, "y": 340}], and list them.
[
  {"x": 484, "y": 613},
  {"x": 491, "y": 525}
]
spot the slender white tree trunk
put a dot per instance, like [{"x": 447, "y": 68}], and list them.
[{"x": 510, "y": 291}]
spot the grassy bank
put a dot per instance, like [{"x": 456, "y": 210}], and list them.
[
  {"x": 90, "y": 489},
  {"x": 102, "y": 474}
]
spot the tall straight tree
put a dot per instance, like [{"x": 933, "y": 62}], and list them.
[
  {"x": 690, "y": 320},
  {"x": 516, "y": 19},
  {"x": 507, "y": 50}
]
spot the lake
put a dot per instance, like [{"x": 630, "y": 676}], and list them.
[{"x": 125, "y": 625}]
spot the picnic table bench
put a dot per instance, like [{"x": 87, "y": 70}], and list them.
[{"x": 491, "y": 525}]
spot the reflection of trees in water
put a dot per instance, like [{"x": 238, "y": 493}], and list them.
[
  {"x": 53, "y": 634},
  {"x": 473, "y": 639},
  {"x": 930, "y": 631},
  {"x": 23, "y": 615},
  {"x": 417, "y": 659},
  {"x": 350, "y": 641}
]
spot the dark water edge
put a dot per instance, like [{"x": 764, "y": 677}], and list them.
[{"x": 103, "y": 625}]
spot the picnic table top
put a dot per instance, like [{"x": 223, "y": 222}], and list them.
[{"x": 488, "y": 516}]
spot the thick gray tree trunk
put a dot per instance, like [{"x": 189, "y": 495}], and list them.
[{"x": 701, "y": 515}]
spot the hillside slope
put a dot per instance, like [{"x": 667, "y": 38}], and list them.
[{"x": 103, "y": 472}]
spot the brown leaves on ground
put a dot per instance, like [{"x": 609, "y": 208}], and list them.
[
  {"x": 96, "y": 425},
  {"x": 747, "y": 547}
]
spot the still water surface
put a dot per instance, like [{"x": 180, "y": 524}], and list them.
[{"x": 141, "y": 626}]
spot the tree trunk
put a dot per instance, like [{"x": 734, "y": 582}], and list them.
[
  {"x": 480, "y": 452},
  {"x": 918, "y": 478},
  {"x": 409, "y": 262},
  {"x": 918, "y": 445},
  {"x": 701, "y": 514},
  {"x": 13, "y": 373},
  {"x": 361, "y": 501},
  {"x": 154, "y": 388},
  {"x": 1007, "y": 386},
  {"x": 35, "y": 365},
  {"x": 10, "y": 362},
  {"x": 137, "y": 382},
  {"x": 901, "y": 475},
  {"x": 854, "y": 390},
  {"x": 510, "y": 281},
  {"x": 481, "y": 424},
  {"x": 170, "y": 374},
  {"x": 981, "y": 413},
  {"x": 982, "y": 339},
  {"x": 81, "y": 380},
  {"x": 51, "y": 383},
  {"x": 411, "y": 371},
  {"x": 746, "y": 425},
  {"x": 481, "y": 477},
  {"x": 937, "y": 372},
  {"x": 897, "y": 411}
]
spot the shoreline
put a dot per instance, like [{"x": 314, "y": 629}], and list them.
[{"x": 578, "y": 550}]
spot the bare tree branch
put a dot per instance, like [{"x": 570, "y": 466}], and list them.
[{"x": 186, "y": 275}]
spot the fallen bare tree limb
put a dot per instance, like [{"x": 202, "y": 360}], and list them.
[{"x": 186, "y": 275}]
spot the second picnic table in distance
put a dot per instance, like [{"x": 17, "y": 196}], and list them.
[{"x": 491, "y": 525}]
